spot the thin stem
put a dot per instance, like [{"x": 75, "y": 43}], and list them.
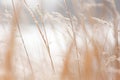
[
  {"x": 74, "y": 36},
  {"x": 17, "y": 23},
  {"x": 47, "y": 44},
  {"x": 42, "y": 35}
]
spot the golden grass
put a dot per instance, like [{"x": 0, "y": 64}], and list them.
[{"x": 88, "y": 43}]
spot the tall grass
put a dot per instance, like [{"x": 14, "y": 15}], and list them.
[{"x": 81, "y": 43}]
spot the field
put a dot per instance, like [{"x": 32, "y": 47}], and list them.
[{"x": 66, "y": 40}]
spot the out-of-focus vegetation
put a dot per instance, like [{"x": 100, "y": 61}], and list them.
[{"x": 59, "y": 40}]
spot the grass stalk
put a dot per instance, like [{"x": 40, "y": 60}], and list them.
[
  {"x": 10, "y": 50},
  {"x": 18, "y": 26},
  {"x": 74, "y": 36},
  {"x": 47, "y": 44},
  {"x": 42, "y": 35}
]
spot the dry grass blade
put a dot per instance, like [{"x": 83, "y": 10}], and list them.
[
  {"x": 88, "y": 70},
  {"x": 10, "y": 50},
  {"x": 115, "y": 24},
  {"x": 45, "y": 42},
  {"x": 74, "y": 35},
  {"x": 17, "y": 24},
  {"x": 65, "y": 72}
]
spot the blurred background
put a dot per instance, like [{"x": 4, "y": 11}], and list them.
[{"x": 58, "y": 6}]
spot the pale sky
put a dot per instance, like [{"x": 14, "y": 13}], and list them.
[{"x": 48, "y": 4}]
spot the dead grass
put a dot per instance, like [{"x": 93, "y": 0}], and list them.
[{"x": 90, "y": 41}]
